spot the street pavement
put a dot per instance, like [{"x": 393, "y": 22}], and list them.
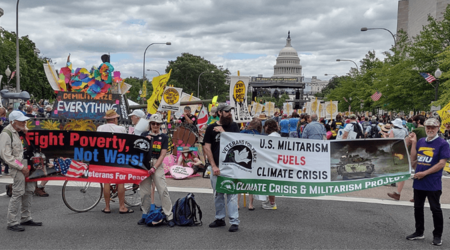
[{"x": 365, "y": 219}]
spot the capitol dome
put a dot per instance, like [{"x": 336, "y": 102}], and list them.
[{"x": 288, "y": 62}]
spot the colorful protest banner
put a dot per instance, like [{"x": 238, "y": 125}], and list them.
[
  {"x": 158, "y": 83},
  {"x": 238, "y": 97},
  {"x": 171, "y": 99},
  {"x": 297, "y": 167},
  {"x": 80, "y": 105},
  {"x": 87, "y": 156},
  {"x": 444, "y": 113}
]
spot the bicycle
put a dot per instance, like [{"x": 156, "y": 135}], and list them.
[{"x": 84, "y": 196}]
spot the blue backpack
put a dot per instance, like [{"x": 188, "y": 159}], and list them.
[
  {"x": 185, "y": 211},
  {"x": 154, "y": 217}
]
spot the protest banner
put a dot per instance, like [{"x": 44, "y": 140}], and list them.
[
  {"x": 87, "y": 156},
  {"x": 171, "y": 99},
  {"x": 331, "y": 109},
  {"x": 81, "y": 105},
  {"x": 296, "y": 167},
  {"x": 256, "y": 108},
  {"x": 287, "y": 108},
  {"x": 238, "y": 97},
  {"x": 444, "y": 113},
  {"x": 158, "y": 83},
  {"x": 269, "y": 108}
]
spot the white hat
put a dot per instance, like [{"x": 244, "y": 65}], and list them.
[
  {"x": 138, "y": 113},
  {"x": 156, "y": 118},
  {"x": 397, "y": 122},
  {"x": 429, "y": 122},
  {"x": 17, "y": 116}
]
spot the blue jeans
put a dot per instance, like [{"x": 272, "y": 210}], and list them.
[{"x": 219, "y": 203}]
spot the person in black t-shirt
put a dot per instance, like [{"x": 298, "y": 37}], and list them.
[
  {"x": 157, "y": 153},
  {"x": 212, "y": 150},
  {"x": 187, "y": 117}
]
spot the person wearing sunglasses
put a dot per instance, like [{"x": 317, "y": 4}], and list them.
[{"x": 160, "y": 143}]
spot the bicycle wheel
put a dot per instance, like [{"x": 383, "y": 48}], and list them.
[
  {"x": 81, "y": 196},
  {"x": 132, "y": 196}
]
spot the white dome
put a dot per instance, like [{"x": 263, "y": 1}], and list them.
[{"x": 288, "y": 62}]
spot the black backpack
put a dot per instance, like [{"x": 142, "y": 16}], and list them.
[
  {"x": 357, "y": 130},
  {"x": 374, "y": 131},
  {"x": 185, "y": 211}
]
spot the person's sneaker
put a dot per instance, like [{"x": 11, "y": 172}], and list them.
[
  {"x": 16, "y": 228},
  {"x": 40, "y": 192},
  {"x": 233, "y": 228},
  {"x": 415, "y": 236},
  {"x": 171, "y": 223},
  {"x": 141, "y": 222},
  {"x": 218, "y": 223},
  {"x": 437, "y": 241},
  {"x": 31, "y": 223},
  {"x": 9, "y": 190},
  {"x": 394, "y": 196},
  {"x": 269, "y": 206}
]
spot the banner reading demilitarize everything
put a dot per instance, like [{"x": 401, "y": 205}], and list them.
[
  {"x": 87, "y": 156},
  {"x": 298, "y": 167}
]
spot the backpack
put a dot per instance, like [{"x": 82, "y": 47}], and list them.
[
  {"x": 185, "y": 211},
  {"x": 374, "y": 131},
  {"x": 365, "y": 124},
  {"x": 154, "y": 217},
  {"x": 358, "y": 131}
]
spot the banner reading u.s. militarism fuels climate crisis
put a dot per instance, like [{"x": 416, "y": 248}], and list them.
[{"x": 281, "y": 166}]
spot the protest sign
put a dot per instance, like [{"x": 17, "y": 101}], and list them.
[
  {"x": 331, "y": 109},
  {"x": 444, "y": 113},
  {"x": 238, "y": 97},
  {"x": 158, "y": 83},
  {"x": 80, "y": 105},
  {"x": 171, "y": 99},
  {"x": 297, "y": 167},
  {"x": 287, "y": 108},
  {"x": 87, "y": 156},
  {"x": 269, "y": 108}
]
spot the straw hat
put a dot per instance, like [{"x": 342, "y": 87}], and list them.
[
  {"x": 262, "y": 116},
  {"x": 385, "y": 128},
  {"x": 111, "y": 114}
]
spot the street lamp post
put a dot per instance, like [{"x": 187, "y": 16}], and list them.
[
  {"x": 17, "y": 50},
  {"x": 341, "y": 60},
  {"x": 366, "y": 29},
  {"x": 198, "y": 82},
  {"x": 437, "y": 74},
  {"x": 145, "y": 51},
  {"x": 154, "y": 70},
  {"x": 140, "y": 97},
  {"x": 7, "y": 73}
]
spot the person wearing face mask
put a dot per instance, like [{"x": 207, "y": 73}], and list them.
[{"x": 11, "y": 151}]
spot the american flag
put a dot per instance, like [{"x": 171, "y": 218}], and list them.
[
  {"x": 376, "y": 96},
  {"x": 71, "y": 168},
  {"x": 428, "y": 77}
]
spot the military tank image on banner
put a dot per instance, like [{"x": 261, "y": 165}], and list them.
[{"x": 354, "y": 166}]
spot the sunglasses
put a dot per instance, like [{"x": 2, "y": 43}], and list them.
[
  {"x": 226, "y": 111},
  {"x": 155, "y": 124}
]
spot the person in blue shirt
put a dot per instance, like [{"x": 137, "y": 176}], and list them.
[
  {"x": 314, "y": 129},
  {"x": 284, "y": 125},
  {"x": 293, "y": 121}
]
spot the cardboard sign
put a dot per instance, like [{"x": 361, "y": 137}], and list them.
[
  {"x": 179, "y": 172},
  {"x": 171, "y": 99}
]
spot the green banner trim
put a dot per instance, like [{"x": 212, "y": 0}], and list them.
[{"x": 301, "y": 189}]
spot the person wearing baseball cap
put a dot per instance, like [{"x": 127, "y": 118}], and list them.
[
  {"x": 212, "y": 151},
  {"x": 135, "y": 117},
  {"x": 428, "y": 158},
  {"x": 11, "y": 151}
]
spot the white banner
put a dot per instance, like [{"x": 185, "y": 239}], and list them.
[
  {"x": 287, "y": 108},
  {"x": 238, "y": 99},
  {"x": 331, "y": 109},
  {"x": 186, "y": 98},
  {"x": 269, "y": 108}
]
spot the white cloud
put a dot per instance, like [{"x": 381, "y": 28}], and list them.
[{"x": 321, "y": 32}]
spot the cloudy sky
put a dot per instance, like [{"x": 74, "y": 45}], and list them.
[{"x": 240, "y": 35}]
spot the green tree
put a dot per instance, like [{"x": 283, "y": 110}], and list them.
[
  {"x": 186, "y": 70},
  {"x": 32, "y": 75}
]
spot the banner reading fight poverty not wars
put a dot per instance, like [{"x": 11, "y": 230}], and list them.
[
  {"x": 297, "y": 167},
  {"x": 87, "y": 156}
]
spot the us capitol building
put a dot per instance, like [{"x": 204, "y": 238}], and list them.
[{"x": 288, "y": 76}]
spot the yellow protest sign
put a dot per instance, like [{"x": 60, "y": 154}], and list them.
[
  {"x": 171, "y": 96},
  {"x": 239, "y": 92},
  {"x": 158, "y": 83},
  {"x": 444, "y": 113}
]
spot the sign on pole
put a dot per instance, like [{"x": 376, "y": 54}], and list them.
[{"x": 238, "y": 97}]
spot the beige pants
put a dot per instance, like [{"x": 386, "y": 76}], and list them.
[
  {"x": 161, "y": 186},
  {"x": 19, "y": 209}
]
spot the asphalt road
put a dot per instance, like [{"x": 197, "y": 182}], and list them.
[{"x": 297, "y": 224}]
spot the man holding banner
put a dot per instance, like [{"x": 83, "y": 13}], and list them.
[
  {"x": 212, "y": 151},
  {"x": 428, "y": 158}
]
